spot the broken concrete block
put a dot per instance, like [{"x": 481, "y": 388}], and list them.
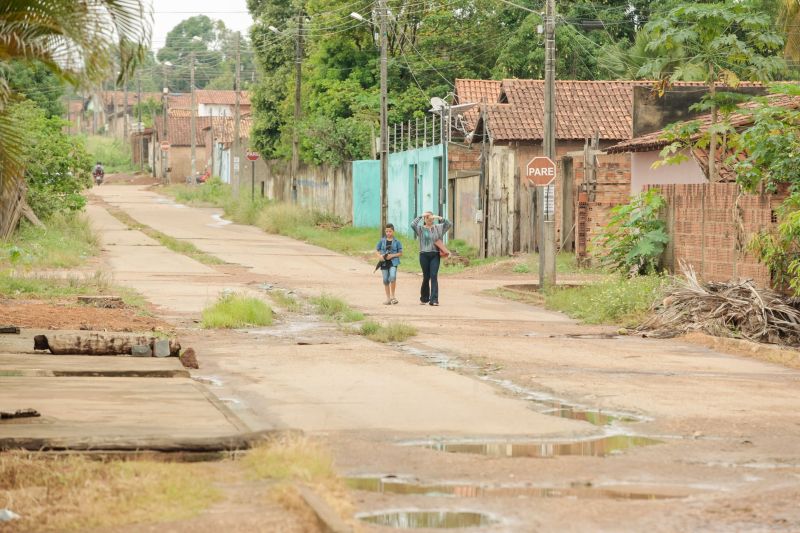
[
  {"x": 161, "y": 348},
  {"x": 141, "y": 350},
  {"x": 189, "y": 359}
]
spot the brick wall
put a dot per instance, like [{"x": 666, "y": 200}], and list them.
[
  {"x": 705, "y": 233},
  {"x": 463, "y": 158}
]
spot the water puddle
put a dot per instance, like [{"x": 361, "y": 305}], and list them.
[
  {"x": 393, "y": 485},
  {"x": 550, "y": 405},
  {"x": 586, "y": 448},
  {"x": 427, "y": 519},
  {"x": 286, "y": 329}
]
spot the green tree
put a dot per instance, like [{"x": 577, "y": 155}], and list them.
[
  {"x": 727, "y": 41},
  {"x": 77, "y": 39},
  {"x": 35, "y": 82},
  {"x": 58, "y": 165}
]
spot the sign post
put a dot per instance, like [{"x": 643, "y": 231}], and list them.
[
  {"x": 165, "y": 146},
  {"x": 252, "y": 157},
  {"x": 541, "y": 174}
]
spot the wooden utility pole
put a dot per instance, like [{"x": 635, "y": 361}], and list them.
[
  {"x": 236, "y": 118},
  {"x": 164, "y": 112},
  {"x": 125, "y": 130},
  {"x": 382, "y": 10},
  {"x": 547, "y": 256},
  {"x": 139, "y": 120},
  {"x": 193, "y": 125},
  {"x": 298, "y": 72}
]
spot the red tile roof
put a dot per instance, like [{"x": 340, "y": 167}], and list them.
[
  {"x": 653, "y": 141},
  {"x": 582, "y": 107},
  {"x": 179, "y": 130},
  {"x": 474, "y": 92},
  {"x": 224, "y": 128},
  {"x": 202, "y": 96}
]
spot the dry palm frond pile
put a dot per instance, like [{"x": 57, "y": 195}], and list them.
[{"x": 734, "y": 309}]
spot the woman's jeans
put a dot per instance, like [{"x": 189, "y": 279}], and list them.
[{"x": 429, "y": 261}]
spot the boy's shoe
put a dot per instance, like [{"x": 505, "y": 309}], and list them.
[
  {"x": 434, "y": 303},
  {"x": 393, "y": 301},
  {"x": 387, "y": 302}
]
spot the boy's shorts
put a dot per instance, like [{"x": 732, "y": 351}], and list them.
[{"x": 389, "y": 275}]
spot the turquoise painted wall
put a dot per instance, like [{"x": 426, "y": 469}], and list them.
[
  {"x": 412, "y": 189},
  {"x": 366, "y": 194}
]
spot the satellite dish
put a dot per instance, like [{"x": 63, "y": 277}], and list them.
[{"x": 438, "y": 103}]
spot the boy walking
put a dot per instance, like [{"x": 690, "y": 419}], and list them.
[{"x": 389, "y": 250}]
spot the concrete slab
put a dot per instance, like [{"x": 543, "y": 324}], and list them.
[
  {"x": 47, "y": 364},
  {"x": 112, "y": 408}
]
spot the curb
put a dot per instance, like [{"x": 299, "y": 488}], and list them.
[{"x": 329, "y": 521}]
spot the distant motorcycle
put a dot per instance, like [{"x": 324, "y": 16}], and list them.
[{"x": 98, "y": 174}]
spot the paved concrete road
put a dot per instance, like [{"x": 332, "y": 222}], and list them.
[{"x": 730, "y": 425}]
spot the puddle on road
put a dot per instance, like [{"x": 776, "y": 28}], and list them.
[
  {"x": 208, "y": 380},
  {"x": 586, "y": 448},
  {"x": 550, "y": 405},
  {"x": 427, "y": 519},
  {"x": 389, "y": 485}
]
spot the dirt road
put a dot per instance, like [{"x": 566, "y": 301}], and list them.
[{"x": 547, "y": 408}]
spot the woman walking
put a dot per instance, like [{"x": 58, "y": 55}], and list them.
[
  {"x": 389, "y": 250},
  {"x": 430, "y": 238}
]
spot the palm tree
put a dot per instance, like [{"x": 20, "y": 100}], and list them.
[
  {"x": 789, "y": 21},
  {"x": 80, "y": 40}
]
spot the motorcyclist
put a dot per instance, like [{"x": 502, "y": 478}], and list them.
[{"x": 98, "y": 173}]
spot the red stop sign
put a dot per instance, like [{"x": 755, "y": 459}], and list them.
[
  {"x": 540, "y": 171},
  {"x": 252, "y": 156}
]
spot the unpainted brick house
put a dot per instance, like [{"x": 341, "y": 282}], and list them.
[
  {"x": 709, "y": 224},
  {"x": 507, "y": 124}
]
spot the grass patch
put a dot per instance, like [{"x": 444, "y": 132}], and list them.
[
  {"x": 214, "y": 192},
  {"x": 15, "y": 285},
  {"x": 176, "y": 245},
  {"x": 336, "y": 309},
  {"x": 66, "y": 241},
  {"x": 391, "y": 332},
  {"x": 286, "y": 301},
  {"x": 112, "y": 152},
  {"x": 291, "y": 458},
  {"x": 237, "y": 311},
  {"x": 73, "y": 493},
  {"x": 619, "y": 301}
]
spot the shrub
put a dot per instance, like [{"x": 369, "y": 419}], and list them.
[
  {"x": 336, "y": 309},
  {"x": 391, "y": 332},
  {"x": 634, "y": 238}
]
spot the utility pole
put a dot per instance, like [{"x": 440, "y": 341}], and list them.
[
  {"x": 193, "y": 126},
  {"x": 384, "y": 113},
  {"x": 298, "y": 72},
  {"x": 125, "y": 129},
  {"x": 236, "y": 118},
  {"x": 546, "y": 220},
  {"x": 139, "y": 120},
  {"x": 164, "y": 112}
]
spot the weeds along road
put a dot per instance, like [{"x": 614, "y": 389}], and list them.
[{"x": 506, "y": 381}]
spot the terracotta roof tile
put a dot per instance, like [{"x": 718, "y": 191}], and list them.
[
  {"x": 475, "y": 92},
  {"x": 653, "y": 141},
  {"x": 179, "y": 130},
  {"x": 224, "y": 128},
  {"x": 202, "y": 96}
]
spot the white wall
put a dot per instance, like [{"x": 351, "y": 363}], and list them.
[
  {"x": 217, "y": 110},
  {"x": 643, "y": 173}
]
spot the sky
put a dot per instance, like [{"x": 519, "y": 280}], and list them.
[{"x": 168, "y": 13}]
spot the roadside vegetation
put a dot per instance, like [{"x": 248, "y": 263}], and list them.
[
  {"x": 112, "y": 152},
  {"x": 613, "y": 301},
  {"x": 295, "y": 460},
  {"x": 336, "y": 309},
  {"x": 390, "y": 332},
  {"x": 285, "y": 300},
  {"x": 74, "y": 493},
  {"x": 66, "y": 241},
  {"x": 237, "y": 311},
  {"x": 315, "y": 227}
]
